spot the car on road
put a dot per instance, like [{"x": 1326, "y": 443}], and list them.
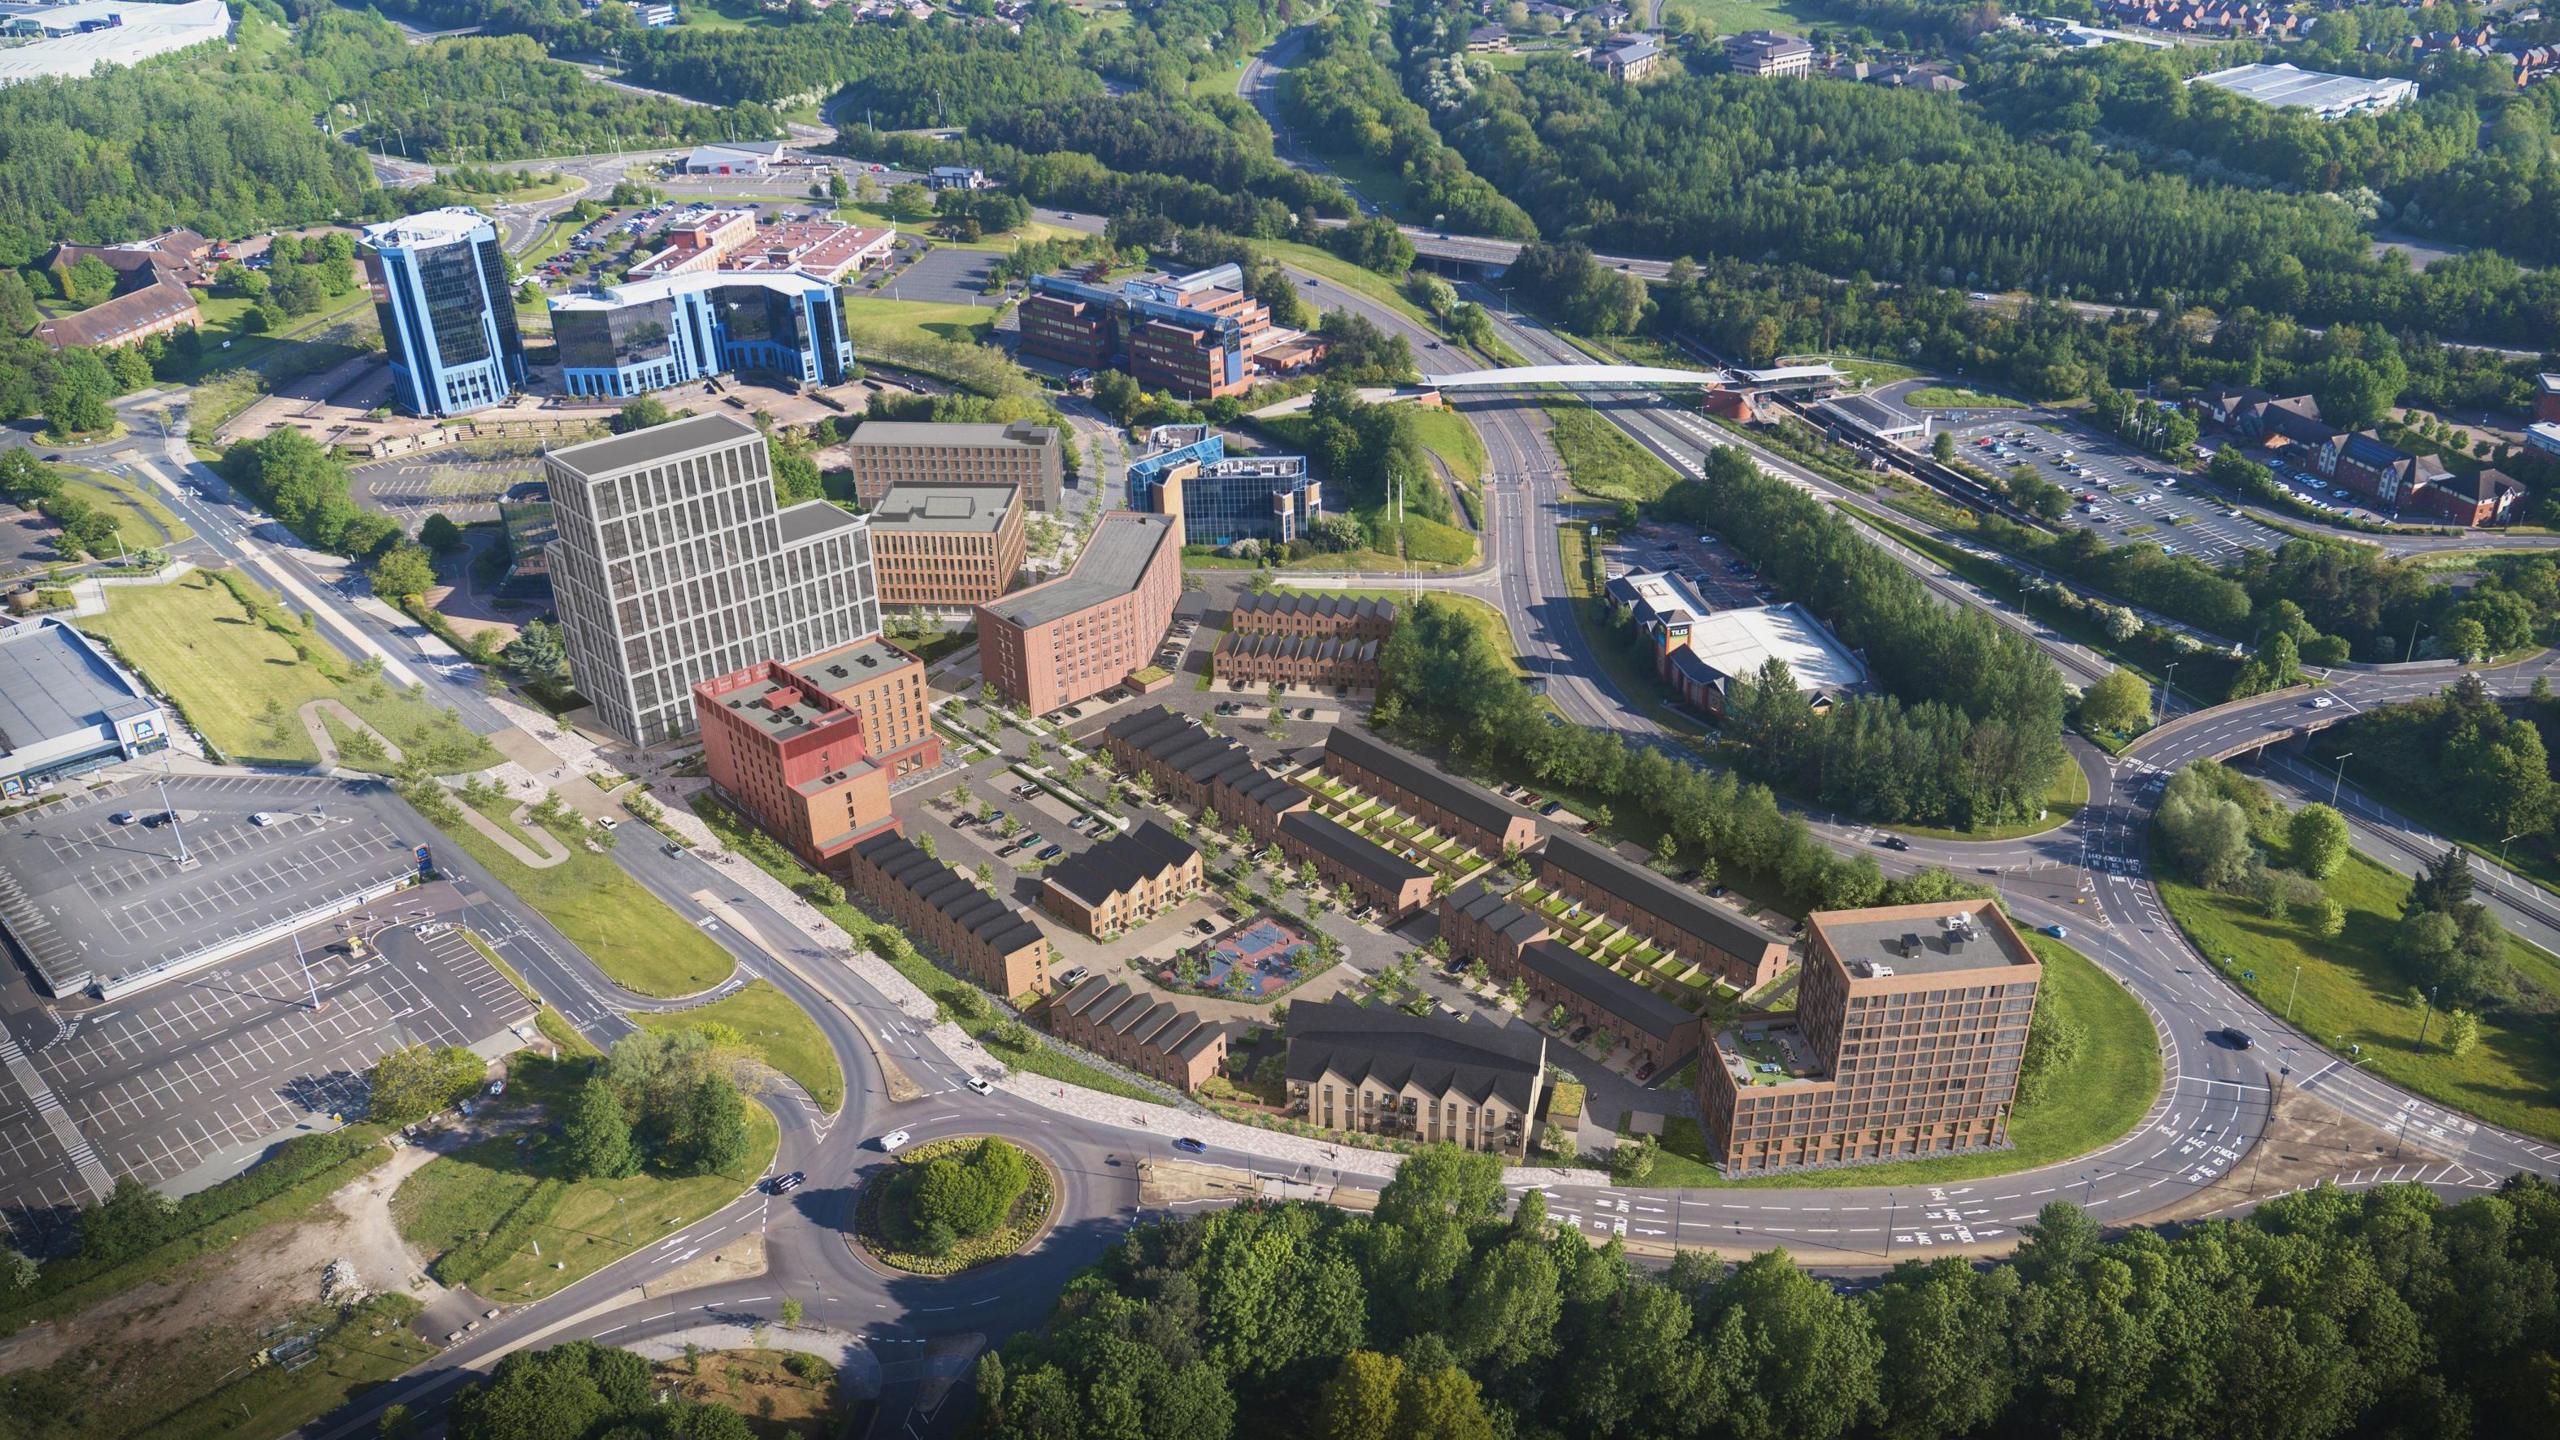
[
  {"x": 2323, "y": 702},
  {"x": 672, "y": 848},
  {"x": 497, "y": 1088},
  {"x": 894, "y": 1141},
  {"x": 784, "y": 1184},
  {"x": 2058, "y": 932},
  {"x": 982, "y": 1085},
  {"x": 1893, "y": 842},
  {"x": 2236, "y": 1038},
  {"x": 608, "y": 822},
  {"x": 1189, "y": 1146},
  {"x": 263, "y": 818}
]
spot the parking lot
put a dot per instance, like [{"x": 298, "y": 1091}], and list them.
[
  {"x": 2116, "y": 491},
  {"x": 86, "y": 895},
  {"x": 463, "y": 490},
  {"x": 941, "y": 276},
  {"x": 1720, "y": 576},
  {"x": 187, "y": 1084}
]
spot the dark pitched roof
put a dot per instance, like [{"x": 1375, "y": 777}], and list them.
[
  {"x": 1654, "y": 895},
  {"x": 988, "y": 920},
  {"x": 2487, "y": 486},
  {"x": 1496, "y": 913},
  {"x": 1378, "y": 865},
  {"x": 110, "y": 321},
  {"x": 1607, "y": 990},
  {"x": 1179, "y": 743},
  {"x": 1326, "y": 648},
  {"x": 1478, "y": 1059},
  {"x": 1417, "y": 776},
  {"x": 1283, "y": 602},
  {"x": 1119, "y": 863}
]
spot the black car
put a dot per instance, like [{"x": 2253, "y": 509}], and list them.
[
  {"x": 1579, "y": 1035},
  {"x": 784, "y": 1184},
  {"x": 1894, "y": 842},
  {"x": 2237, "y": 1038}
]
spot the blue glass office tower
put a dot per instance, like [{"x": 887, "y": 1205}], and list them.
[
  {"x": 440, "y": 287},
  {"x": 1187, "y": 473},
  {"x": 651, "y": 334}
]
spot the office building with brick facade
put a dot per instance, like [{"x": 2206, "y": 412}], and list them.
[
  {"x": 940, "y": 546},
  {"x": 886, "y": 687},
  {"x": 1909, "y": 1026},
  {"x": 1375, "y": 1070},
  {"x": 1090, "y": 629},
  {"x": 1123, "y": 881},
  {"x": 792, "y": 757},
  {"x": 990, "y": 943},
  {"x": 1736, "y": 950},
  {"x": 1416, "y": 786},
  {"x": 921, "y": 452},
  {"x": 1156, "y": 1038}
]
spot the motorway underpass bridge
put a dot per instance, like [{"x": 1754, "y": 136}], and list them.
[{"x": 1628, "y": 377}]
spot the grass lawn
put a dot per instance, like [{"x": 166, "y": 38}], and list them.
[
  {"x": 877, "y": 322},
  {"x": 194, "y": 642},
  {"x": 1863, "y": 369},
  {"x": 140, "y": 517},
  {"x": 778, "y": 1029},
  {"x": 481, "y": 1212},
  {"x": 2070, "y": 792},
  {"x": 1951, "y": 397},
  {"x": 2351, "y": 993},
  {"x": 1601, "y": 458},
  {"x": 1484, "y": 611},
  {"x": 646, "y": 947},
  {"x": 1039, "y": 1058},
  {"x": 2103, "y": 1096},
  {"x": 1447, "y": 434},
  {"x": 1730, "y": 17}
]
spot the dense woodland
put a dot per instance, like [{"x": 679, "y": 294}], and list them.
[
  {"x": 1441, "y": 1318},
  {"x": 1341, "y": 97}
]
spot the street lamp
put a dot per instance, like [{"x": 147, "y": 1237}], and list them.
[
  {"x": 2502, "y": 849},
  {"x": 2168, "y": 692},
  {"x": 2427, "y": 1015},
  {"x": 2339, "y": 781}
]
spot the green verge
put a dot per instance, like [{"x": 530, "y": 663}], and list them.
[
  {"x": 1601, "y": 458},
  {"x": 2067, "y": 796},
  {"x": 2096, "y": 1101},
  {"x": 497, "y": 1215},
  {"x": 223, "y": 665},
  {"x": 1953, "y": 397},
  {"x": 1447, "y": 434},
  {"x": 2350, "y": 993},
  {"x": 776, "y": 1028},
  {"x": 140, "y": 516},
  {"x": 632, "y": 935},
  {"x": 959, "y": 1001}
]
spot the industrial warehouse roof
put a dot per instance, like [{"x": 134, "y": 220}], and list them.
[
  {"x": 54, "y": 681},
  {"x": 2314, "y": 90},
  {"x": 1122, "y": 547},
  {"x": 1736, "y": 643},
  {"x": 146, "y": 30}
]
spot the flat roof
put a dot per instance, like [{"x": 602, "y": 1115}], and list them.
[
  {"x": 617, "y": 453},
  {"x": 148, "y": 30},
  {"x": 1122, "y": 547},
  {"x": 1874, "y": 415},
  {"x": 1936, "y": 939},
  {"x": 779, "y": 708},
  {"x": 427, "y": 227},
  {"x": 965, "y": 433},
  {"x": 810, "y": 519},
  {"x": 945, "y": 508},
  {"x": 2291, "y": 86},
  {"x": 1736, "y": 643},
  {"x": 849, "y": 665},
  {"x": 642, "y": 292},
  {"x": 55, "y": 681}
]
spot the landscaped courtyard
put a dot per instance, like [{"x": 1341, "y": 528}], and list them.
[
  {"x": 1452, "y": 860},
  {"x": 1258, "y": 960},
  {"x": 1608, "y": 943}
]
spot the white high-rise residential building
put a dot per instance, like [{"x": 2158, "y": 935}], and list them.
[{"x": 675, "y": 565}]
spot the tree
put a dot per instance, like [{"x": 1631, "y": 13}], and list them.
[
  {"x": 2318, "y": 840},
  {"x": 404, "y": 570},
  {"x": 1631, "y": 1160},
  {"x": 2120, "y": 702},
  {"x": 2207, "y": 834},
  {"x": 397, "y": 1423},
  {"x": 1943, "y": 447},
  {"x": 411, "y": 1083},
  {"x": 716, "y": 1129},
  {"x": 439, "y": 534},
  {"x": 641, "y": 414},
  {"x": 1360, "y": 1401},
  {"x": 1792, "y": 1359},
  {"x": 77, "y": 408},
  {"x": 556, "y": 1394},
  {"x": 791, "y": 1312},
  {"x": 596, "y": 1139},
  {"x": 2464, "y": 639},
  {"x": 18, "y": 1270}
]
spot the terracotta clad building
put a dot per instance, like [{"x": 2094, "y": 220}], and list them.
[
  {"x": 1378, "y": 877},
  {"x": 1739, "y": 951},
  {"x": 792, "y": 756},
  {"x": 1909, "y": 1026},
  {"x": 919, "y": 452},
  {"x": 1416, "y": 786},
  {"x": 1156, "y": 1038},
  {"x": 886, "y": 687},
  {"x": 1187, "y": 764},
  {"x": 1375, "y": 1070},
  {"x": 1123, "y": 881},
  {"x": 941, "y": 546},
  {"x": 1077, "y": 636},
  {"x": 992, "y": 944}
]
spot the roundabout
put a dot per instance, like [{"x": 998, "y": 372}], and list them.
[{"x": 952, "y": 1205}]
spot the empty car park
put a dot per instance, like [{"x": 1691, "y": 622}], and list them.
[{"x": 189, "y": 1082}]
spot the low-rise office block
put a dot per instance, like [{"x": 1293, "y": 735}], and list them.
[
  {"x": 1092, "y": 628},
  {"x": 940, "y": 546}
]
